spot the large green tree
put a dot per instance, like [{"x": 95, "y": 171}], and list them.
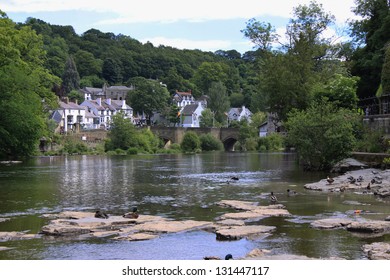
[
  {"x": 218, "y": 101},
  {"x": 323, "y": 134},
  {"x": 148, "y": 97},
  {"x": 288, "y": 75},
  {"x": 70, "y": 77},
  {"x": 24, "y": 90},
  {"x": 371, "y": 33},
  {"x": 385, "y": 76}
]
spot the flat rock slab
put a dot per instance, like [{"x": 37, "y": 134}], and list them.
[
  {"x": 342, "y": 183},
  {"x": 239, "y": 232},
  {"x": 238, "y": 205},
  {"x": 230, "y": 222},
  {"x": 172, "y": 226},
  {"x": 145, "y": 227},
  {"x": 377, "y": 251},
  {"x": 16, "y": 235},
  {"x": 136, "y": 237},
  {"x": 4, "y": 219},
  {"x": 331, "y": 223},
  {"x": 369, "y": 227},
  {"x": 251, "y": 211},
  {"x": 86, "y": 223},
  {"x": 256, "y": 214}
]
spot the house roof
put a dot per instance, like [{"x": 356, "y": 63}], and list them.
[
  {"x": 70, "y": 105},
  {"x": 91, "y": 90},
  {"x": 57, "y": 116},
  {"x": 118, "y": 104},
  {"x": 189, "y": 109},
  {"x": 118, "y": 88}
]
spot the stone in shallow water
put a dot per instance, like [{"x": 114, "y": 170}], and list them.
[
  {"x": 331, "y": 223},
  {"x": 136, "y": 237},
  {"x": 377, "y": 251},
  {"x": 16, "y": 235},
  {"x": 238, "y": 232}
]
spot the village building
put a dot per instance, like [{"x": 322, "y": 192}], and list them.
[
  {"x": 239, "y": 114},
  {"x": 112, "y": 92},
  {"x": 69, "y": 116},
  {"x": 104, "y": 110},
  {"x": 190, "y": 115},
  {"x": 182, "y": 99}
]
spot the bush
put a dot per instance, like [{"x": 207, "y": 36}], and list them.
[
  {"x": 322, "y": 135},
  {"x": 132, "y": 151},
  {"x": 272, "y": 143},
  {"x": 190, "y": 143},
  {"x": 371, "y": 141},
  {"x": 251, "y": 144},
  {"x": 209, "y": 143}
]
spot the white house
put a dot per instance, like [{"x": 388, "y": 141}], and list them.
[
  {"x": 181, "y": 99},
  {"x": 104, "y": 110},
  {"x": 239, "y": 114},
  {"x": 190, "y": 115},
  {"x": 71, "y": 116}
]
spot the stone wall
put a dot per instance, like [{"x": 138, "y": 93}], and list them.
[{"x": 378, "y": 122}]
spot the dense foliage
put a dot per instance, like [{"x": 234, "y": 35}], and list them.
[
  {"x": 25, "y": 93},
  {"x": 190, "y": 143},
  {"x": 323, "y": 134}
]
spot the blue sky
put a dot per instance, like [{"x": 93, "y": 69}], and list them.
[{"x": 208, "y": 25}]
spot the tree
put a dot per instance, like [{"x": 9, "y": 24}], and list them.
[
  {"x": 111, "y": 71},
  {"x": 209, "y": 143},
  {"x": 262, "y": 34},
  {"x": 24, "y": 88},
  {"x": 340, "y": 90},
  {"x": 87, "y": 64},
  {"x": 371, "y": 33},
  {"x": 148, "y": 97},
  {"x": 70, "y": 77},
  {"x": 322, "y": 135},
  {"x": 206, "y": 118},
  {"x": 209, "y": 72},
  {"x": 385, "y": 76},
  {"x": 122, "y": 135},
  {"x": 218, "y": 102},
  {"x": 191, "y": 142},
  {"x": 287, "y": 77}
]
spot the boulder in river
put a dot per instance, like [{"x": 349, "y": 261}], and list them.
[{"x": 377, "y": 251}]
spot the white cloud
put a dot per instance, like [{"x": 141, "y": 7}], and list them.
[
  {"x": 174, "y": 10},
  {"x": 206, "y": 45}
]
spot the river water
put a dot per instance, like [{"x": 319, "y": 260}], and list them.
[{"x": 178, "y": 187}]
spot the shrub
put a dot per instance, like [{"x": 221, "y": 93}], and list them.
[
  {"x": 322, "y": 135},
  {"x": 209, "y": 143},
  {"x": 132, "y": 151},
  {"x": 272, "y": 142},
  {"x": 191, "y": 142}
]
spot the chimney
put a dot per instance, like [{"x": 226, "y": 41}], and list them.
[
  {"x": 66, "y": 100},
  {"x": 99, "y": 101},
  {"x": 108, "y": 101},
  {"x": 123, "y": 104}
]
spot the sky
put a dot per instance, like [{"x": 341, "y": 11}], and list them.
[{"x": 208, "y": 25}]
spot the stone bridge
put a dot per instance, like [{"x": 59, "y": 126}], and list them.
[{"x": 228, "y": 136}]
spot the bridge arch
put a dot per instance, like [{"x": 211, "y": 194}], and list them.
[{"x": 229, "y": 143}]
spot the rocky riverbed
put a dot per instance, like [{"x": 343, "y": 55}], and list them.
[{"x": 240, "y": 222}]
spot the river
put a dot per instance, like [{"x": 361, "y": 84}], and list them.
[{"x": 178, "y": 187}]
